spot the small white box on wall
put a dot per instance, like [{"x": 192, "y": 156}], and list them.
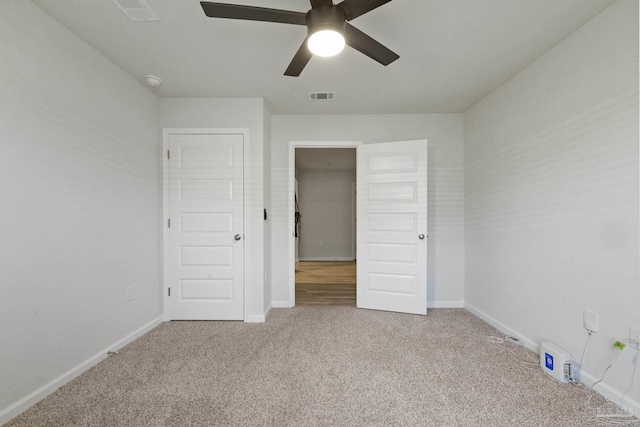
[{"x": 556, "y": 362}]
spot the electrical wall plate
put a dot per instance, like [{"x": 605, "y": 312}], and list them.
[{"x": 591, "y": 321}]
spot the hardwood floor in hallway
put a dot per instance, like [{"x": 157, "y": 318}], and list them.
[{"x": 326, "y": 283}]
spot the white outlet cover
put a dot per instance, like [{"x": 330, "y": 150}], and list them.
[{"x": 591, "y": 321}]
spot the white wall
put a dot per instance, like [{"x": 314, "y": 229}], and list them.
[
  {"x": 445, "y": 133},
  {"x": 80, "y": 183},
  {"x": 551, "y": 197},
  {"x": 249, "y": 114},
  {"x": 326, "y": 228}
]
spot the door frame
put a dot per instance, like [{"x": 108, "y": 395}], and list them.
[
  {"x": 291, "y": 188},
  {"x": 166, "y": 133},
  {"x": 354, "y": 218}
]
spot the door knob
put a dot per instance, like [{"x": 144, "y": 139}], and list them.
[
  {"x": 237, "y": 237},
  {"x": 421, "y": 236}
]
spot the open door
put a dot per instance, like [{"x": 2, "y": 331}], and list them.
[{"x": 392, "y": 226}]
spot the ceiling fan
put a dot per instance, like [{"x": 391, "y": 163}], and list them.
[{"x": 327, "y": 28}]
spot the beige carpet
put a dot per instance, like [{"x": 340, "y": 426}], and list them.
[{"x": 321, "y": 366}]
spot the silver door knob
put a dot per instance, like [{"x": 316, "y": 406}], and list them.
[
  {"x": 421, "y": 236},
  {"x": 237, "y": 237}
]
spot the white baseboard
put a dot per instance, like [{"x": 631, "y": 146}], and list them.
[
  {"x": 614, "y": 395},
  {"x": 445, "y": 304},
  {"x": 430, "y": 304},
  {"x": 34, "y": 397},
  {"x": 314, "y": 258},
  {"x": 281, "y": 304},
  {"x": 530, "y": 344},
  {"x": 258, "y": 318}
]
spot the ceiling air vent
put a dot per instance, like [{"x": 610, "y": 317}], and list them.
[
  {"x": 136, "y": 10},
  {"x": 322, "y": 96}
]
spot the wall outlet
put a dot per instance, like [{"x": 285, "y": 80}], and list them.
[
  {"x": 591, "y": 321},
  {"x": 634, "y": 337},
  {"x": 129, "y": 293}
]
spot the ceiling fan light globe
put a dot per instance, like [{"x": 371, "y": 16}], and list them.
[{"x": 326, "y": 43}]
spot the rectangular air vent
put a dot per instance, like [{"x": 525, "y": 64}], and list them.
[
  {"x": 136, "y": 10},
  {"x": 322, "y": 96}
]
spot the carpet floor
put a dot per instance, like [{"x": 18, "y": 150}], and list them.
[{"x": 322, "y": 366}]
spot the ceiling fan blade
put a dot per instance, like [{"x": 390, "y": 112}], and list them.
[
  {"x": 365, "y": 44},
  {"x": 252, "y": 13},
  {"x": 355, "y": 8},
  {"x": 300, "y": 60},
  {"x": 316, "y": 3}
]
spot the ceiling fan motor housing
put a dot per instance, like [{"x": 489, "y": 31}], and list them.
[{"x": 326, "y": 18}]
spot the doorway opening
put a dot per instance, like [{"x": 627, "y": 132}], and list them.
[
  {"x": 323, "y": 218},
  {"x": 392, "y": 224},
  {"x": 326, "y": 283}
]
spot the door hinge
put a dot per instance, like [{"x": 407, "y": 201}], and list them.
[
  {"x": 169, "y": 223},
  {"x": 168, "y": 155},
  {"x": 169, "y": 292}
]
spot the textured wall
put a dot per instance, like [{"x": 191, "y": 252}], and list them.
[
  {"x": 551, "y": 195},
  {"x": 80, "y": 181},
  {"x": 445, "y": 263},
  {"x": 325, "y": 199}
]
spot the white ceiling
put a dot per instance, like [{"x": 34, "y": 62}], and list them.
[{"x": 452, "y": 52}]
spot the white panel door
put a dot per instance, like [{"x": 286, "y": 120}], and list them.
[
  {"x": 206, "y": 241},
  {"x": 392, "y": 226}
]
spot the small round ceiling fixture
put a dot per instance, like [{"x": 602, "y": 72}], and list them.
[{"x": 153, "y": 81}]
